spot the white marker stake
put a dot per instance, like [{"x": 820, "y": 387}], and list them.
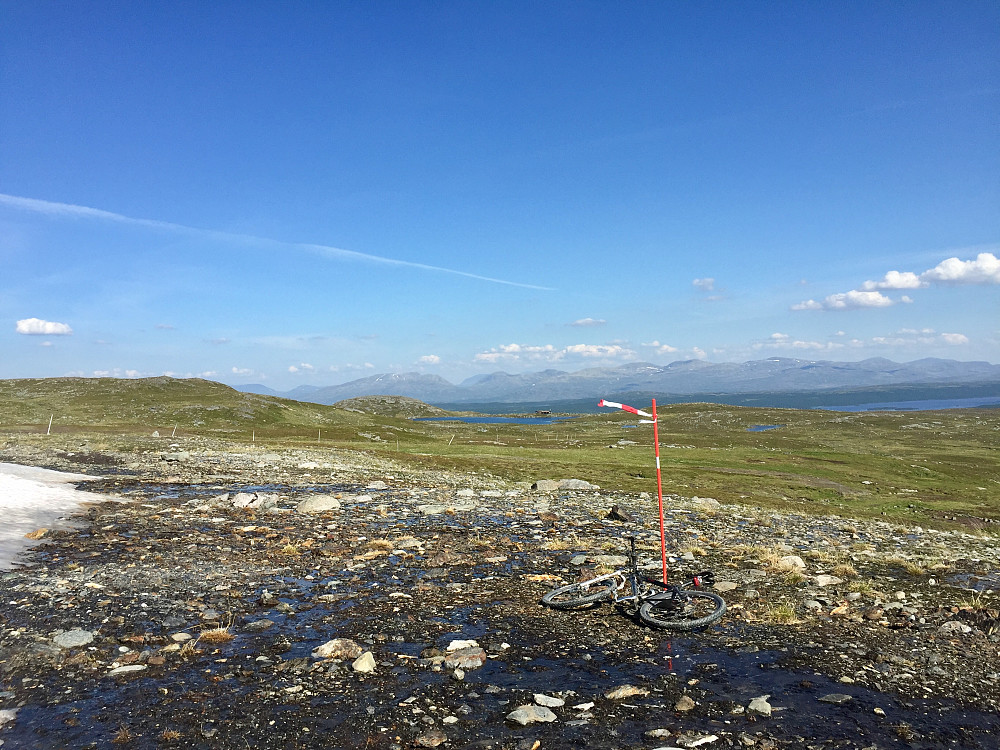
[
  {"x": 659, "y": 482},
  {"x": 49, "y": 431}
]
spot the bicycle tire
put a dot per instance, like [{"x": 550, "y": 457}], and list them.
[
  {"x": 577, "y": 595},
  {"x": 703, "y": 609}
]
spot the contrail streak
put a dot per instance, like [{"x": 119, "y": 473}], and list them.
[{"x": 68, "y": 210}]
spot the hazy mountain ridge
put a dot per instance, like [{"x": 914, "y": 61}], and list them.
[{"x": 690, "y": 377}]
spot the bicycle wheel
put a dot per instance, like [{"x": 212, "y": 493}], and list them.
[
  {"x": 701, "y": 608},
  {"x": 579, "y": 594}
]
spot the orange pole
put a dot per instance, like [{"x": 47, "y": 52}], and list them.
[{"x": 659, "y": 491}]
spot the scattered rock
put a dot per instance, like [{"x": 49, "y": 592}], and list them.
[
  {"x": 548, "y": 701},
  {"x": 625, "y": 691},
  {"x": 338, "y": 648},
  {"x": 837, "y": 699},
  {"x": 531, "y": 714},
  {"x": 433, "y": 738},
  {"x": 465, "y": 658},
  {"x": 760, "y": 706},
  {"x": 684, "y": 704},
  {"x": 318, "y": 504},
  {"x": 364, "y": 663},
  {"x": 73, "y": 639}
]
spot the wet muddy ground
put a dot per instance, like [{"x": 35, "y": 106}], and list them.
[{"x": 189, "y": 612}]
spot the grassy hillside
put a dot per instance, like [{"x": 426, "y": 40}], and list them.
[
  {"x": 922, "y": 467},
  {"x": 149, "y": 404}
]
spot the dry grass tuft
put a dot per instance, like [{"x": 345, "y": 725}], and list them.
[
  {"x": 123, "y": 736},
  {"x": 782, "y": 613},
  {"x": 220, "y": 634},
  {"x": 170, "y": 734},
  {"x": 908, "y": 566},
  {"x": 560, "y": 543},
  {"x": 845, "y": 570}
]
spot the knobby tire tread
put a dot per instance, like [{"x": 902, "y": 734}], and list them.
[{"x": 658, "y": 617}]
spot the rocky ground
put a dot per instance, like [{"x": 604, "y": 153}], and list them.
[{"x": 237, "y": 597}]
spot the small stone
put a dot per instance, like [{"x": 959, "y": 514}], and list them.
[
  {"x": 458, "y": 644},
  {"x": 548, "y": 701},
  {"x": 466, "y": 658},
  {"x": 954, "y": 627},
  {"x": 684, "y": 703},
  {"x": 625, "y": 691},
  {"x": 530, "y": 715},
  {"x": 617, "y": 514},
  {"x": 760, "y": 706},
  {"x": 73, "y": 638},
  {"x": 433, "y": 738},
  {"x": 318, "y": 504},
  {"x": 725, "y": 586},
  {"x": 338, "y": 648},
  {"x": 696, "y": 739},
  {"x": 793, "y": 561},
  {"x": 365, "y": 663},
  {"x": 837, "y": 699}
]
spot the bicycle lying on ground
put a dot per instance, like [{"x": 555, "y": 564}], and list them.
[{"x": 661, "y": 605}]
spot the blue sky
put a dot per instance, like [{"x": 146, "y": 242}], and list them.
[{"x": 311, "y": 192}]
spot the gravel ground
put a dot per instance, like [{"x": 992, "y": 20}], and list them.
[{"x": 232, "y": 597}]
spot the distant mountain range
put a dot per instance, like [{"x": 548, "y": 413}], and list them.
[{"x": 690, "y": 378}]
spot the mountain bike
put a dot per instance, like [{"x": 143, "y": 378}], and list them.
[{"x": 683, "y": 607}]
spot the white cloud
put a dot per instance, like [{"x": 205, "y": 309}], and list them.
[
  {"x": 613, "y": 351},
  {"x": 301, "y": 367},
  {"x": 809, "y": 304},
  {"x": 698, "y": 353},
  {"x": 242, "y": 371},
  {"x": 588, "y": 322},
  {"x": 429, "y": 359},
  {"x": 549, "y": 353},
  {"x": 896, "y": 280},
  {"x": 705, "y": 285},
  {"x": 661, "y": 348},
  {"x": 784, "y": 341},
  {"x": 985, "y": 269},
  {"x": 39, "y": 327},
  {"x": 117, "y": 372},
  {"x": 909, "y": 337},
  {"x": 853, "y": 300}
]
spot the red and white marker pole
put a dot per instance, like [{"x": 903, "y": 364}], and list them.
[{"x": 659, "y": 480}]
